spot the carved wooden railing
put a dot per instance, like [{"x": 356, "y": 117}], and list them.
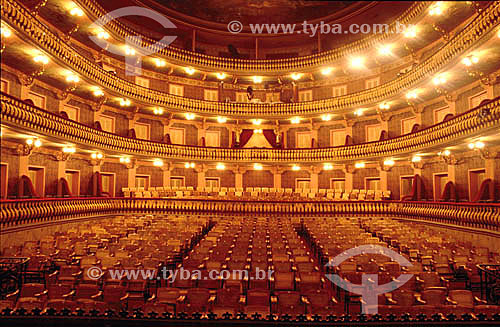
[
  {"x": 17, "y": 212},
  {"x": 18, "y": 114},
  {"x": 37, "y": 33},
  {"x": 185, "y": 57}
]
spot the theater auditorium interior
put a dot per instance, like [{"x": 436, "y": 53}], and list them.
[{"x": 250, "y": 163}]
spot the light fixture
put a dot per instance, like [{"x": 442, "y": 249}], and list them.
[
  {"x": 75, "y": 11},
  {"x": 158, "y": 163},
  {"x": 189, "y": 70},
  {"x": 68, "y": 149},
  {"x": 438, "y": 80},
  {"x": 97, "y": 92},
  {"x": 102, "y": 34},
  {"x": 258, "y": 131},
  {"x": 358, "y": 112},
  {"x": 326, "y": 117},
  {"x": 357, "y": 62},
  {"x": 470, "y": 60},
  {"x": 295, "y": 120},
  {"x": 257, "y": 79},
  {"x": 221, "y": 120},
  {"x": 158, "y": 110},
  {"x": 359, "y": 165},
  {"x": 125, "y": 102},
  {"x": 34, "y": 143},
  {"x": 220, "y": 166},
  {"x": 389, "y": 162},
  {"x": 129, "y": 51},
  {"x": 445, "y": 153},
  {"x": 72, "y": 78},
  {"x": 385, "y": 50},
  {"x": 384, "y": 106},
  {"x": 189, "y": 165},
  {"x": 160, "y": 62},
  {"x": 220, "y": 76},
  {"x": 436, "y": 9},
  {"x": 326, "y": 71},
  {"x": 190, "y": 116},
  {"x": 97, "y": 155},
  {"x": 6, "y": 32},
  {"x": 410, "y": 31},
  {"x": 476, "y": 145},
  {"x": 498, "y": 34},
  {"x": 416, "y": 159},
  {"x": 257, "y": 122},
  {"x": 125, "y": 160},
  {"x": 295, "y": 168},
  {"x": 296, "y": 76},
  {"x": 257, "y": 166},
  {"x": 411, "y": 95},
  {"x": 41, "y": 59},
  {"x": 327, "y": 166}
]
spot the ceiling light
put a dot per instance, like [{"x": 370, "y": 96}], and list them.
[
  {"x": 158, "y": 111},
  {"x": 295, "y": 120},
  {"x": 296, "y": 76},
  {"x": 327, "y": 166},
  {"x": 189, "y": 70},
  {"x": 220, "y": 76},
  {"x": 326, "y": 117},
  {"x": 257, "y": 79},
  {"x": 221, "y": 120},
  {"x": 6, "y": 32},
  {"x": 220, "y": 166},
  {"x": 416, "y": 159},
  {"x": 69, "y": 150},
  {"x": 189, "y": 165},
  {"x": 158, "y": 163},
  {"x": 41, "y": 59},
  {"x": 359, "y": 165},
  {"x": 257, "y": 166},
  {"x": 470, "y": 60},
  {"x": 75, "y": 11},
  {"x": 257, "y": 122},
  {"x": 258, "y": 131},
  {"x": 129, "y": 51},
  {"x": 190, "y": 116},
  {"x": 160, "y": 62},
  {"x": 98, "y": 92},
  {"x": 125, "y": 160},
  {"x": 411, "y": 95},
  {"x": 124, "y": 102},
  {"x": 389, "y": 162},
  {"x": 410, "y": 31},
  {"x": 358, "y": 112},
  {"x": 385, "y": 50},
  {"x": 384, "y": 106},
  {"x": 72, "y": 78},
  {"x": 438, "y": 80},
  {"x": 326, "y": 71},
  {"x": 295, "y": 168},
  {"x": 102, "y": 34},
  {"x": 357, "y": 62},
  {"x": 436, "y": 9}
]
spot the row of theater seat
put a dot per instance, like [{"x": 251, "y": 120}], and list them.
[
  {"x": 257, "y": 193},
  {"x": 291, "y": 251}
]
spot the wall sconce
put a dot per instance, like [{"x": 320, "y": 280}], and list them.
[
  {"x": 326, "y": 117},
  {"x": 42, "y": 60},
  {"x": 96, "y": 159},
  {"x": 257, "y": 166},
  {"x": 190, "y": 116},
  {"x": 359, "y": 165},
  {"x": 295, "y": 168},
  {"x": 189, "y": 165},
  {"x": 449, "y": 158},
  {"x": 125, "y": 160},
  {"x": 220, "y": 166},
  {"x": 158, "y": 110},
  {"x": 65, "y": 153},
  {"x": 158, "y": 163},
  {"x": 6, "y": 33},
  {"x": 327, "y": 166},
  {"x": 257, "y": 131},
  {"x": 26, "y": 148},
  {"x": 221, "y": 120}
]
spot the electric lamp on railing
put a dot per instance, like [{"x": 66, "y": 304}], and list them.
[
  {"x": 385, "y": 50},
  {"x": 256, "y": 122},
  {"x": 326, "y": 71},
  {"x": 358, "y": 62},
  {"x": 68, "y": 150},
  {"x": 125, "y": 102},
  {"x": 41, "y": 59},
  {"x": 158, "y": 163},
  {"x": 359, "y": 165},
  {"x": 125, "y": 160},
  {"x": 384, "y": 106},
  {"x": 439, "y": 80},
  {"x": 296, "y": 76},
  {"x": 72, "y": 78},
  {"x": 257, "y": 79},
  {"x": 436, "y": 9},
  {"x": 389, "y": 162},
  {"x": 189, "y": 165},
  {"x": 221, "y": 120},
  {"x": 476, "y": 145},
  {"x": 257, "y": 166},
  {"x": 295, "y": 168},
  {"x": 97, "y": 155},
  {"x": 470, "y": 60},
  {"x": 220, "y": 76},
  {"x": 327, "y": 166},
  {"x": 189, "y": 70},
  {"x": 295, "y": 120},
  {"x": 411, "y": 95},
  {"x": 34, "y": 142},
  {"x": 158, "y": 111},
  {"x": 190, "y": 116},
  {"x": 160, "y": 62},
  {"x": 326, "y": 117},
  {"x": 6, "y": 32},
  {"x": 410, "y": 32},
  {"x": 416, "y": 159},
  {"x": 129, "y": 51},
  {"x": 102, "y": 34},
  {"x": 76, "y": 11},
  {"x": 220, "y": 166},
  {"x": 97, "y": 92}
]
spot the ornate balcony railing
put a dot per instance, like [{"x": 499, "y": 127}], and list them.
[
  {"x": 185, "y": 57},
  {"x": 18, "y": 114},
  {"x": 482, "y": 216},
  {"x": 37, "y": 33}
]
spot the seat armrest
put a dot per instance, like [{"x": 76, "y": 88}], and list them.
[
  {"x": 243, "y": 300},
  {"x": 70, "y": 294},
  {"x": 212, "y": 299},
  {"x": 304, "y": 300},
  {"x": 45, "y": 292},
  {"x": 478, "y": 300},
  {"x": 274, "y": 299},
  {"x": 181, "y": 299},
  {"x": 77, "y": 274},
  {"x": 95, "y": 296},
  {"x": 297, "y": 279},
  {"x": 54, "y": 274},
  {"x": 123, "y": 298},
  {"x": 419, "y": 300},
  {"x": 15, "y": 293},
  {"x": 334, "y": 300}
]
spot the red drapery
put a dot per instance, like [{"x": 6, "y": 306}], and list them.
[
  {"x": 349, "y": 140},
  {"x": 384, "y": 135},
  {"x": 415, "y": 128},
  {"x": 270, "y": 137},
  {"x": 245, "y": 136}
]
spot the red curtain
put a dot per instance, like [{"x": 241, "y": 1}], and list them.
[
  {"x": 349, "y": 140},
  {"x": 270, "y": 137},
  {"x": 245, "y": 136},
  {"x": 166, "y": 139},
  {"x": 202, "y": 141},
  {"x": 415, "y": 128},
  {"x": 131, "y": 133},
  {"x": 384, "y": 135},
  {"x": 233, "y": 140}
]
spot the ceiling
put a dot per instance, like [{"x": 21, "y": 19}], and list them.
[{"x": 256, "y": 11}]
